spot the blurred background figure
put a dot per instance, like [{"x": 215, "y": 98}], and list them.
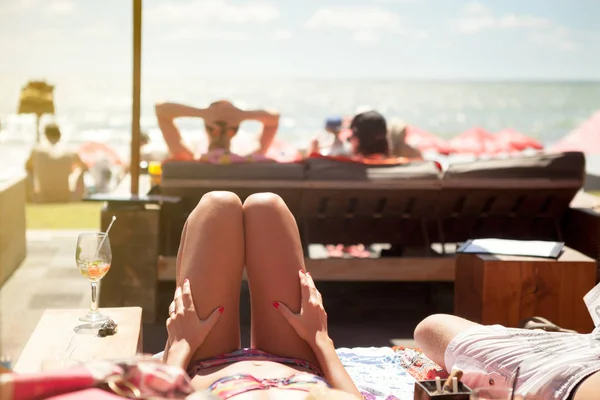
[
  {"x": 55, "y": 174},
  {"x": 149, "y": 151},
  {"x": 369, "y": 136},
  {"x": 327, "y": 147},
  {"x": 397, "y": 141},
  {"x": 221, "y": 121}
]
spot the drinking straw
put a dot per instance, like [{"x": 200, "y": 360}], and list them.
[{"x": 105, "y": 235}]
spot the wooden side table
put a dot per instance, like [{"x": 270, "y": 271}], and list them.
[
  {"x": 54, "y": 338},
  {"x": 494, "y": 289}
]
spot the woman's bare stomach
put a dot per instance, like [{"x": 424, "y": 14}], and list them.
[{"x": 258, "y": 369}]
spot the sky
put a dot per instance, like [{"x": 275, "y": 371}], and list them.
[{"x": 422, "y": 39}]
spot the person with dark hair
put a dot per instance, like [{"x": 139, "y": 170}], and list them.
[
  {"x": 55, "y": 173},
  {"x": 369, "y": 136}
]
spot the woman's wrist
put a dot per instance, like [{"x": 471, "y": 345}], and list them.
[
  {"x": 321, "y": 342},
  {"x": 179, "y": 354}
]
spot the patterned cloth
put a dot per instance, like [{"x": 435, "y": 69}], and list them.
[
  {"x": 149, "y": 377},
  {"x": 249, "y": 354},
  {"x": 385, "y": 373}
]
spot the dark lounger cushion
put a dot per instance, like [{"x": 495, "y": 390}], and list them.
[
  {"x": 323, "y": 169},
  {"x": 196, "y": 170},
  {"x": 558, "y": 166}
]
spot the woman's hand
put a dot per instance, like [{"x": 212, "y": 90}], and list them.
[
  {"x": 311, "y": 323},
  {"x": 183, "y": 325}
]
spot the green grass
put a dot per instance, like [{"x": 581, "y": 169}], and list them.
[{"x": 64, "y": 216}]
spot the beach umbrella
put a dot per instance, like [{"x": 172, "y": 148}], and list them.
[
  {"x": 586, "y": 138},
  {"x": 476, "y": 141},
  {"x": 136, "y": 94},
  {"x": 426, "y": 141},
  {"x": 516, "y": 141},
  {"x": 37, "y": 97}
]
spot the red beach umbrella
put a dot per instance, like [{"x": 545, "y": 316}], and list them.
[
  {"x": 425, "y": 141},
  {"x": 516, "y": 141},
  {"x": 476, "y": 141},
  {"x": 585, "y": 138}
]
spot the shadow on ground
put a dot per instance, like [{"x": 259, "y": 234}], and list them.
[{"x": 361, "y": 314}]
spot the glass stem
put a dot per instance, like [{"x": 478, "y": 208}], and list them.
[{"x": 94, "y": 304}]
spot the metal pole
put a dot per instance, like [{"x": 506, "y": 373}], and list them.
[{"x": 134, "y": 166}]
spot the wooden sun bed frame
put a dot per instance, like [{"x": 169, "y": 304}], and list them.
[
  {"x": 331, "y": 212},
  {"x": 414, "y": 215}
]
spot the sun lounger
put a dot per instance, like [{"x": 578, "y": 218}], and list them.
[
  {"x": 352, "y": 203},
  {"x": 516, "y": 198},
  {"x": 423, "y": 214}
]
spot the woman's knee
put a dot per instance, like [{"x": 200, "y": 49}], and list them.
[
  {"x": 218, "y": 202},
  {"x": 263, "y": 202},
  {"x": 427, "y": 328}
]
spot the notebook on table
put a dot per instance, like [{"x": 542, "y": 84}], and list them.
[{"x": 526, "y": 248}]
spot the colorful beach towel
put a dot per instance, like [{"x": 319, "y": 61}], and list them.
[{"x": 385, "y": 373}]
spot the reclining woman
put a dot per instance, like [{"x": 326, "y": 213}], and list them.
[
  {"x": 291, "y": 352},
  {"x": 553, "y": 365},
  {"x": 221, "y": 120}
]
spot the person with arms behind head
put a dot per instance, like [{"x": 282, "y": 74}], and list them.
[
  {"x": 221, "y": 120},
  {"x": 55, "y": 174}
]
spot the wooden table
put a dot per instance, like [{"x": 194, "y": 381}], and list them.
[
  {"x": 12, "y": 225},
  {"x": 54, "y": 338},
  {"x": 494, "y": 289}
]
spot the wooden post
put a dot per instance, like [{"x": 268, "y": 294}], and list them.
[
  {"x": 38, "y": 117},
  {"x": 135, "y": 112}
]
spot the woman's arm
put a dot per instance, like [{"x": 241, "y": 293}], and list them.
[
  {"x": 178, "y": 354},
  {"x": 332, "y": 366},
  {"x": 270, "y": 121},
  {"x": 311, "y": 325},
  {"x": 165, "y": 115}
]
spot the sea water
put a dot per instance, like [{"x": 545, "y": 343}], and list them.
[{"x": 101, "y": 111}]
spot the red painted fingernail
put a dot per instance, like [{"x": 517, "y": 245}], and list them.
[
  {"x": 276, "y": 304},
  {"x": 221, "y": 309}
]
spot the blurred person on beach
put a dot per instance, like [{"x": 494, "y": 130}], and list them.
[
  {"x": 222, "y": 121},
  {"x": 397, "y": 141},
  {"x": 149, "y": 151},
  {"x": 333, "y": 127},
  {"x": 55, "y": 174},
  {"x": 368, "y": 142},
  {"x": 369, "y": 136}
]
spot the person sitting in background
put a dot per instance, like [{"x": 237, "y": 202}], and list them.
[
  {"x": 221, "y": 120},
  {"x": 397, "y": 141},
  {"x": 333, "y": 126},
  {"x": 368, "y": 143},
  {"x": 148, "y": 151},
  {"x": 369, "y": 136},
  {"x": 55, "y": 174}
]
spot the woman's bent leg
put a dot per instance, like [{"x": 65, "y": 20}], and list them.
[
  {"x": 211, "y": 256},
  {"x": 273, "y": 258},
  {"x": 434, "y": 334}
]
